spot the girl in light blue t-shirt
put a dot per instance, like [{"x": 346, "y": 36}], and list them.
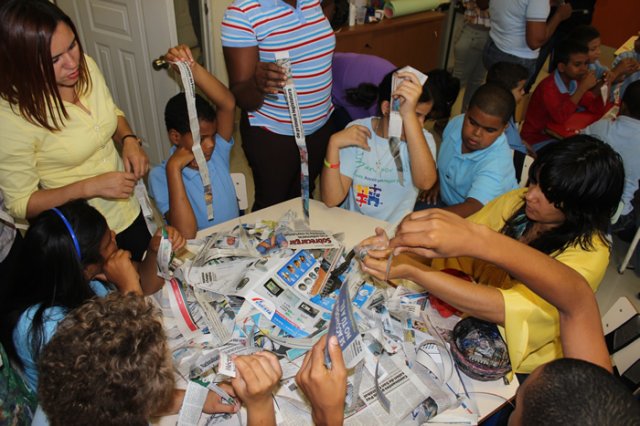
[
  {"x": 367, "y": 172},
  {"x": 69, "y": 256}
]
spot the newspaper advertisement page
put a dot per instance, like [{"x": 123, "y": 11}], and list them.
[{"x": 282, "y": 296}]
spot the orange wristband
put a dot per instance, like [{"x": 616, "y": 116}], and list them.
[{"x": 328, "y": 165}]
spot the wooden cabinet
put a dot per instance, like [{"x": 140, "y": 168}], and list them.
[{"x": 409, "y": 40}]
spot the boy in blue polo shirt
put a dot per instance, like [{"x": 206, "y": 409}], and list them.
[
  {"x": 475, "y": 162},
  {"x": 175, "y": 185},
  {"x": 622, "y": 135}
]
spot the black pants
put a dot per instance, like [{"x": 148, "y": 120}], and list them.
[
  {"x": 275, "y": 161},
  {"x": 9, "y": 263},
  {"x": 135, "y": 238}
]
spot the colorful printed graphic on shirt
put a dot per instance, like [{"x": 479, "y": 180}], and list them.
[{"x": 369, "y": 195}]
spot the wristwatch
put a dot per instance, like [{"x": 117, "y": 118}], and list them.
[{"x": 131, "y": 135}]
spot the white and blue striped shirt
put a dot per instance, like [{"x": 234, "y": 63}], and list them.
[{"x": 305, "y": 33}]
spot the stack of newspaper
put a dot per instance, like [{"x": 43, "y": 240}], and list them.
[{"x": 270, "y": 286}]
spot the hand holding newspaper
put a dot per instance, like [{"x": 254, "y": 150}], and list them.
[{"x": 395, "y": 119}]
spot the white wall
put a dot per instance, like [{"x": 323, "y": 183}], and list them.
[{"x": 217, "y": 12}]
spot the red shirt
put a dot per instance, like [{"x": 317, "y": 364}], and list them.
[{"x": 549, "y": 104}]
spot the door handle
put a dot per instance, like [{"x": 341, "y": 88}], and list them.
[{"x": 159, "y": 63}]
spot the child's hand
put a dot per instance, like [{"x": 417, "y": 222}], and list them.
[
  {"x": 377, "y": 244},
  {"x": 355, "y": 135},
  {"x": 325, "y": 388},
  {"x": 409, "y": 92},
  {"x": 180, "y": 158},
  {"x": 176, "y": 238},
  {"x": 256, "y": 377},
  {"x": 120, "y": 270},
  {"x": 588, "y": 81},
  {"x": 213, "y": 403},
  {"x": 180, "y": 53},
  {"x": 432, "y": 195},
  {"x": 438, "y": 233},
  {"x": 402, "y": 266},
  {"x": 625, "y": 67}
]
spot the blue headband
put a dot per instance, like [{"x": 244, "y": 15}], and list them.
[{"x": 73, "y": 234}]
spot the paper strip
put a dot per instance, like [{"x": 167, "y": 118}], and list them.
[
  {"x": 140, "y": 192},
  {"x": 184, "y": 321},
  {"x": 226, "y": 365},
  {"x": 192, "y": 404},
  {"x": 395, "y": 119},
  {"x": 384, "y": 401},
  {"x": 343, "y": 325},
  {"x": 291, "y": 96},
  {"x": 194, "y": 125}
]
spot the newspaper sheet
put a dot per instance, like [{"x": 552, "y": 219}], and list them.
[{"x": 229, "y": 298}]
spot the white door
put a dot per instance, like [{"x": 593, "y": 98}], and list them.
[{"x": 123, "y": 37}]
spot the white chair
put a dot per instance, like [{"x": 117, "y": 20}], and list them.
[
  {"x": 621, "y": 325},
  {"x": 240, "y": 183},
  {"x": 618, "y": 213},
  {"x": 630, "y": 251},
  {"x": 524, "y": 174}
]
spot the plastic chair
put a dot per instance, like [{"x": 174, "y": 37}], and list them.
[
  {"x": 524, "y": 174},
  {"x": 240, "y": 183},
  {"x": 621, "y": 325},
  {"x": 630, "y": 251}
]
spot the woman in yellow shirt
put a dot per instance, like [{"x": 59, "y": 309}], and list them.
[
  {"x": 575, "y": 186},
  {"x": 60, "y": 125}
]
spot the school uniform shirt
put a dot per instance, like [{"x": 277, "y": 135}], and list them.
[
  {"x": 303, "y": 31},
  {"x": 32, "y": 157},
  {"x": 513, "y": 137},
  {"x": 482, "y": 175},
  {"x": 225, "y": 203},
  {"x": 622, "y": 135},
  {"x": 597, "y": 68},
  {"x": 531, "y": 329},
  {"x": 622, "y": 86},
  {"x": 551, "y": 103},
  {"x": 509, "y": 23},
  {"x": 376, "y": 189},
  {"x": 50, "y": 319}
]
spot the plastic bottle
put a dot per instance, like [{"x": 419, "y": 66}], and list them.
[{"x": 352, "y": 13}]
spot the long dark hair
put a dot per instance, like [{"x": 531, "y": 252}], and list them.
[
  {"x": 384, "y": 90},
  {"x": 27, "y": 79},
  {"x": 583, "y": 177},
  {"x": 49, "y": 271}
]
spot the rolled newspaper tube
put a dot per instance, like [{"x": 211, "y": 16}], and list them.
[{"x": 291, "y": 96}]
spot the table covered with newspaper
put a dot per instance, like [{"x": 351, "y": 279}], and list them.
[{"x": 268, "y": 282}]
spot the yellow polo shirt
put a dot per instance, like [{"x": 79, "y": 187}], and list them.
[
  {"x": 33, "y": 158},
  {"x": 532, "y": 327}
]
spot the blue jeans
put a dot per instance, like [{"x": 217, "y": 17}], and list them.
[{"x": 492, "y": 55}]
